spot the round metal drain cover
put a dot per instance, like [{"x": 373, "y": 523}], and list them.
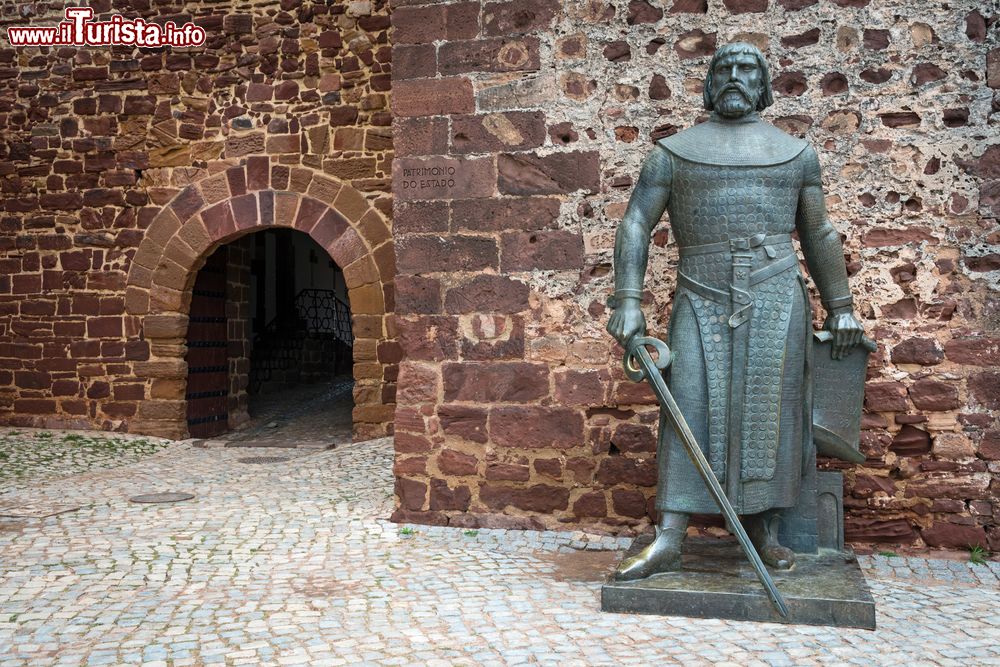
[
  {"x": 168, "y": 497},
  {"x": 263, "y": 459}
]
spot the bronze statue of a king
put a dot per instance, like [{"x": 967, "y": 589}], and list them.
[{"x": 741, "y": 333}]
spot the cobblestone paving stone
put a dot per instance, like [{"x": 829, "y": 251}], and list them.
[
  {"x": 31, "y": 456},
  {"x": 294, "y": 564}
]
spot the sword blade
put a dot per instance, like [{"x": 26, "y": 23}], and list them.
[{"x": 680, "y": 425}]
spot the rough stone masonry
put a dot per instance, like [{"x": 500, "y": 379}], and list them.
[
  {"x": 520, "y": 126},
  {"x": 124, "y": 168}
]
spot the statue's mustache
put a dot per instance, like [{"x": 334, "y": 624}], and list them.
[{"x": 742, "y": 90}]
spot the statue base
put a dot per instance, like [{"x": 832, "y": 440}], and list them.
[{"x": 717, "y": 581}]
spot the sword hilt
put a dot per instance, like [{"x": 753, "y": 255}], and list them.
[{"x": 634, "y": 369}]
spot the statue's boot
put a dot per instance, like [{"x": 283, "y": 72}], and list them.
[
  {"x": 763, "y": 531},
  {"x": 662, "y": 555}
]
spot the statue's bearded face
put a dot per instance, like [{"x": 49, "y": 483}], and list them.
[{"x": 736, "y": 83}]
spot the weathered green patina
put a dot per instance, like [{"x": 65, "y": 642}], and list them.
[{"x": 736, "y": 188}]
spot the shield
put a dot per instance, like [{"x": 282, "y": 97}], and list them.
[{"x": 838, "y": 394}]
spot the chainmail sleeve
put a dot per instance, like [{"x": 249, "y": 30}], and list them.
[
  {"x": 645, "y": 208},
  {"x": 821, "y": 244}
]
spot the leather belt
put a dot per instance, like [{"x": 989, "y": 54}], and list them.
[
  {"x": 758, "y": 276},
  {"x": 736, "y": 245}
]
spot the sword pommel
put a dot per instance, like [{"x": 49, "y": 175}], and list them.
[{"x": 634, "y": 369}]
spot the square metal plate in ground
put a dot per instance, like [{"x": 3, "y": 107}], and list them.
[
  {"x": 716, "y": 581},
  {"x": 165, "y": 497},
  {"x": 263, "y": 459},
  {"x": 36, "y": 510}
]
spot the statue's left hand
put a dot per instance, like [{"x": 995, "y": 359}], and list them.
[{"x": 847, "y": 332}]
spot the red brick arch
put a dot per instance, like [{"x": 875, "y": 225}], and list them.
[{"x": 232, "y": 203}]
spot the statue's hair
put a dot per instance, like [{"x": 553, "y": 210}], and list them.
[{"x": 766, "y": 97}]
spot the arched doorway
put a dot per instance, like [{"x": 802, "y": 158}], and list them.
[
  {"x": 270, "y": 341},
  {"x": 230, "y": 205}
]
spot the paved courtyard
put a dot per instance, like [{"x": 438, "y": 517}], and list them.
[{"x": 294, "y": 563}]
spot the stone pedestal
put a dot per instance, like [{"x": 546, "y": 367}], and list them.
[{"x": 717, "y": 581}]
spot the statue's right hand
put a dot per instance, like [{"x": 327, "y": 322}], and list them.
[{"x": 627, "y": 321}]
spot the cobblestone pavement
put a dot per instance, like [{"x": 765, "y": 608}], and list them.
[
  {"x": 308, "y": 415},
  {"x": 31, "y": 456},
  {"x": 293, "y": 563}
]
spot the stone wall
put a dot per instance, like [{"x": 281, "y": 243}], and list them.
[
  {"x": 520, "y": 128},
  {"x": 124, "y": 168}
]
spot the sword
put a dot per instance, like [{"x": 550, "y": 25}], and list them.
[{"x": 650, "y": 370}]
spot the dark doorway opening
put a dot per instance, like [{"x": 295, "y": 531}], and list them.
[{"x": 270, "y": 343}]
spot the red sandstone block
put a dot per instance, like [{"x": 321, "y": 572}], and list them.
[
  {"x": 32, "y": 380},
  {"x": 443, "y": 178},
  {"x": 187, "y": 202},
  {"x": 373, "y": 228},
  {"x": 412, "y": 493},
  {"x": 934, "y": 395},
  {"x": 510, "y": 472},
  {"x": 923, "y": 351},
  {"x": 413, "y": 61},
  {"x": 464, "y": 422},
  {"x": 417, "y": 25},
  {"x": 537, "y": 498},
  {"x": 591, "y": 504},
  {"x": 495, "y": 382},
  {"x": 265, "y": 207},
  {"x": 985, "y": 389},
  {"x": 581, "y": 388},
  {"x": 219, "y": 220},
  {"x": 513, "y": 130},
  {"x": 90, "y": 73},
  {"x": 244, "y": 210},
  {"x": 488, "y": 55},
  {"x": 428, "y": 337},
  {"x": 615, "y": 470},
  {"x": 417, "y": 296},
  {"x": 419, "y": 383},
  {"x": 411, "y": 465},
  {"x": 519, "y": 16},
  {"x": 409, "y": 443},
  {"x": 104, "y": 327},
  {"x": 65, "y": 388},
  {"x": 487, "y": 293},
  {"x": 26, "y": 284},
  {"x": 258, "y": 171},
  {"x": 281, "y": 173},
  {"x": 452, "y": 462},
  {"x": 954, "y": 536},
  {"x": 527, "y": 251},
  {"x": 284, "y": 143},
  {"x": 444, "y": 497},
  {"x": 559, "y": 173},
  {"x": 635, "y": 438},
  {"x": 259, "y": 92},
  {"x": 433, "y": 97},
  {"x": 974, "y": 351},
  {"x": 487, "y": 215},
  {"x": 310, "y": 211},
  {"x": 432, "y": 254},
  {"x": 347, "y": 248},
  {"x": 628, "y": 502},
  {"x": 420, "y": 136},
  {"x": 885, "y": 397},
  {"x": 34, "y": 406},
  {"x": 536, "y": 427}
]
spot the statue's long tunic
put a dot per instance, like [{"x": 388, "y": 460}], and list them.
[{"x": 740, "y": 326}]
